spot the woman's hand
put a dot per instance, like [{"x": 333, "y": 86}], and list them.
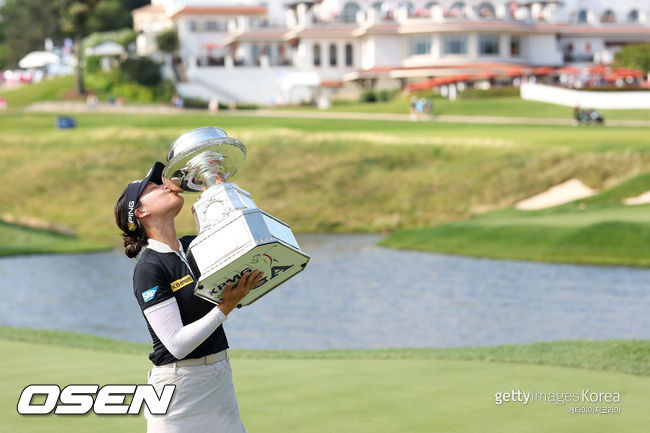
[{"x": 231, "y": 296}]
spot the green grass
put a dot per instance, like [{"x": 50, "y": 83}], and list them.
[
  {"x": 360, "y": 391},
  {"x": 503, "y": 106},
  {"x": 48, "y": 90},
  {"x": 623, "y": 356},
  {"x": 595, "y": 230},
  {"x": 319, "y": 176},
  {"x": 25, "y": 240}
]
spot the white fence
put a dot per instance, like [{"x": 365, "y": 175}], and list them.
[
  {"x": 586, "y": 98},
  {"x": 254, "y": 85}
]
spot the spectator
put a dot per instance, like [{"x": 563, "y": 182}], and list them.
[
  {"x": 412, "y": 113},
  {"x": 419, "y": 108}
]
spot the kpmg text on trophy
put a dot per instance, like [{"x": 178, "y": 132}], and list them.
[{"x": 234, "y": 236}]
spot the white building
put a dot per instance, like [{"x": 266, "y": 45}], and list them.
[{"x": 274, "y": 52}]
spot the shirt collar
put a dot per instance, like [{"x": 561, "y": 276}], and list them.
[{"x": 163, "y": 247}]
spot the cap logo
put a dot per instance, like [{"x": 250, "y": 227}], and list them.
[{"x": 130, "y": 220}]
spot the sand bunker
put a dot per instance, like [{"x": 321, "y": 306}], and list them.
[
  {"x": 639, "y": 199},
  {"x": 572, "y": 189}
]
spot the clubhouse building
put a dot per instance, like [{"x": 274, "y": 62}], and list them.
[{"x": 290, "y": 51}]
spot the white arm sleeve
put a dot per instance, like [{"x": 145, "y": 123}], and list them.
[{"x": 165, "y": 320}]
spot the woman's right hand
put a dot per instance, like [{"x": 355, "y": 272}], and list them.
[{"x": 231, "y": 296}]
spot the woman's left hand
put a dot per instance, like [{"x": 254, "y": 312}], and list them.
[{"x": 231, "y": 296}]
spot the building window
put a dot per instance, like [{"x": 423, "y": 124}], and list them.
[
  {"x": 211, "y": 26},
  {"x": 316, "y": 55},
  {"x": 420, "y": 45},
  {"x": 515, "y": 46},
  {"x": 332, "y": 55},
  {"x": 633, "y": 16},
  {"x": 457, "y": 10},
  {"x": 349, "y": 13},
  {"x": 608, "y": 16},
  {"x": 486, "y": 10},
  {"x": 512, "y": 9},
  {"x": 192, "y": 26},
  {"x": 255, "y": 52},
  {"x": 377, "y": 6},
  {"x": 454, "y": 44},
  {"x": 349, "y": 60},
  {"x": 408, "y": 6},
  {"x": 582, "y": 16},
  {"x": 488, "y": 45}
]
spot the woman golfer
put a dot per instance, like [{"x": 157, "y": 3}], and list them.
[{"x": 189, "y": 344}]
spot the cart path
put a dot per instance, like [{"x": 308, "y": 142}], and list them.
[{"x": 80, "y": 107}]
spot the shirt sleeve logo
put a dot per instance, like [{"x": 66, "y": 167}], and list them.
[
  {"x": 179, "y": 284},
  {"x": 149, "y": 294}
]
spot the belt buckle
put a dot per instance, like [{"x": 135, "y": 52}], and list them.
[{"x": 208, "y": 359}]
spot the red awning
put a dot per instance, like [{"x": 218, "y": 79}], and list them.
[
  {"x": 628, "y": 72},
  {"x": 568, "y": 70},
  {"x": 485, "y": 74},
  {"x": 543, "y": 70},
  {"x": 515, "y": 72},
  {"x": 451, "y": 79},
  {"x": 599, "y": 70},
  {"x": 432, "y": 82}
]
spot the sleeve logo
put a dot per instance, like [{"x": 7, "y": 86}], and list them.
[
  {"x": 149, "y": 294},
  {"x": 179, "y": 284}
]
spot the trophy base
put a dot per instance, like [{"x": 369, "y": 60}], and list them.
[{"x": 246, "y": 240}]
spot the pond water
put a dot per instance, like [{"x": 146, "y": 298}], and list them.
[{"x": 353, "y": 294}]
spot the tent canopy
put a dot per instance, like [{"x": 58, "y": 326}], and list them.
[
  {"x": 108, "y": 48},
  {"x": 38, "y": 59}
]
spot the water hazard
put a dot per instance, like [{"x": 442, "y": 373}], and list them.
[{"x": 353, "y": 294}]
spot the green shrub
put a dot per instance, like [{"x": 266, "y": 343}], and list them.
[
  {"x": 92, "y": 64},
  {"x": 492, "y": 92},
  {"x": 123, "y": 37},
  {"x": 142, "y": 70},
  {"x": 133, "y": 92},
  {"x": 164, "y": 91},
  {"x": 368, "y": 96},
  {"x": 195, "y": 103},
  {"x": 387, "y": 95},
  {"x": 247, "y": 106},
  {"x": 168, "y": 41}
]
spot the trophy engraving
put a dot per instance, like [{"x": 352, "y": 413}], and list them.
[{"x": 233, "y": 235}]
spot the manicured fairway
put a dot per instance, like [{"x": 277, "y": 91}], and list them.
[
  {"x": 505, "y": 106},
  {"x": 319, "y": 176},
  {"x": 353, "y": 392},
  {"x": 23, "y": 240},
  {"x": 596, "y": 230}
]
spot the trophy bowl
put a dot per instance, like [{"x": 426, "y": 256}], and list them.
[{"x": 233, "y": 235}]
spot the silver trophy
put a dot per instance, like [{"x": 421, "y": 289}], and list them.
[{"x": 234, "y": 236}]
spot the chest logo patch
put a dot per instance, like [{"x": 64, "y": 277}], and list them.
[
  {"x": 149, "y": 294},
  {"x": 179, "y": 284}
]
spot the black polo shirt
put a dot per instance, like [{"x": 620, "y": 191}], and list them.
[{"x": 161, "y": 275}]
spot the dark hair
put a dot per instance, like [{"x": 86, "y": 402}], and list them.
[{"x": 133, "y": 240}]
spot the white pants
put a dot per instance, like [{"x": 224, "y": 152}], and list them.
[{"x": 204, "y": 400}]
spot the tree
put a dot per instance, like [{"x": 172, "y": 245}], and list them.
[
  {"x": 3, "y": 45},
  {"x": 168, "y": 41},
  {"x": 110, "y": 15},
  {"x": 75, "y": 20},
  {"x": 25, "y": 26},
  {"x": 635, "y": 56},
  {"x": 134, "y": 4}
]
